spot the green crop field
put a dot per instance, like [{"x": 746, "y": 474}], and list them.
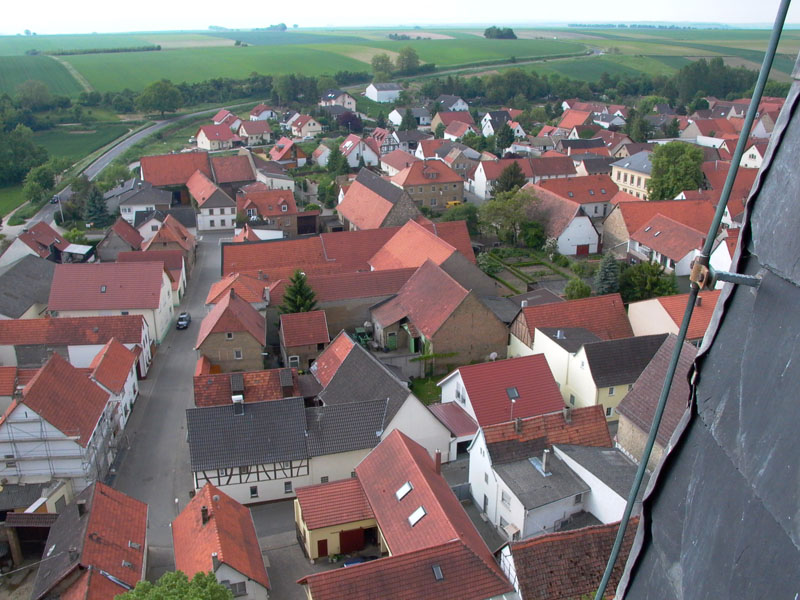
[
  {"x": 285, "y": 38},
  {"x": 10, "y": 198},
  {"x": 16, "y": 44},
  {"x": 76, "y": 142},
  {"x": 18, "y": 69}
]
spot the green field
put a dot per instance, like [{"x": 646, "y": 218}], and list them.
[
  {"x": 76, "y": 142},
  {"x": 590, "y": 68},
  {"x": 17, "y": 44},
  {"x": 10, "y": 198},
  {"x": 18, "y": 69}
]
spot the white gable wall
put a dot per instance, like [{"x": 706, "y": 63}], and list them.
[
  {"x": 603, "y": 502},
  {"x": 580, "y": 231},
  {"x": 255, "y": 591},
  {"x": 417, "y": 422}
]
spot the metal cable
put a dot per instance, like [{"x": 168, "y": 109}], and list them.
[{"x": 758, "y": 91}]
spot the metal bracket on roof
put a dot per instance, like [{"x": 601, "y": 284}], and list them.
[{"x": 703, "y": 276}]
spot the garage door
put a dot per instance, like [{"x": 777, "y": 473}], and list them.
[
  {"x": 351, "y": 540},
  {"x": 582, "y": 249}
]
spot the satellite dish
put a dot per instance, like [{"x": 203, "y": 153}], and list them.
[{"x": 493, "y": 356}]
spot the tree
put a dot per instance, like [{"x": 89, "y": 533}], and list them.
[
  {"x": 112, "y": 175},
  {"x": 96, "y": 211},
  {"x": 18, "y": 154},
  {"x": 504, "y": 138},
  {"x": 350, "y": 121},
  {"x": 577, "y": 289},
  {"x": 298, "y": 295},
  {"x": 407, "y": 61},
  {"x": 34, "y": 95},
  {"x": 676, "y": 167},
  {"x": 380, "y": 121},
  {"x": 463, "y": 212},
  {"x": 381, "y": 67},
  {"x": 161, "y": 96},
  {"x": 176, "y": 586},
  {"x": 511, "y": 177},
  {"x": 506, "y": 213},
  {"x": 499, "y": 33},
  {"x": 337, "y": 163},
  {"x": 439, "y": 132},
  {"x": 606, "y": 280},
  {"x": 76, "y": 236},
  {"x": 646, "y": 280},
  {"x": 533, "y": 234},
  {"x": 409, "y": 122}
]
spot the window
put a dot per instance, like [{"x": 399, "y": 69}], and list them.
[
  {"x": 403, "y": 490},
  {"x": 254, "y": 491},
  {"x": 229, "y": 336},
  {"x": 153, "y": 227},
  {"x": 572, "y": 399},
  {"x": 284, "y": 208},
  {"x": 609, "y": 411},
  {"x": 287, "y": 487},
  {"x": 433, "y": 188},
  {"x": 611, "y": 391},
  {"x": 294, "y": 361},
  {"x": 210, "y": 211},
  {"x": 323, "y": 479},
  {"x": 10, "y": 462},
  {"x": 578, "y": 498},
  {"x": 505, "y": 498},
  {"x": 503, "y": 523},
  {"x": 244, "y": 470},
  {"x": 124, "y": 312},
  {"x": 415, "y": 516},
  {"x": 420, "y": 189},
  {"x": 237, "y": 354},
  {"x": 630, "y": 387},
  {"x": 352, "y": 474},
  {"x": 211, "y": 223},
  {"x": 485, "y": 476},
  {"x": 238, "y": 589},
  {"x": 251, "y": 212},
  {"x": 433, "y": 201},
  {"x": 223, "y": 472},
  {"x": 222, "y": 223}
]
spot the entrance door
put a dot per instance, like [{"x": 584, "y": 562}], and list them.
[
  {"x": 485, "y": 504},
  {"x": 322, "y": 548},
  {"x": 582, "y": 250},
  {"x": 391, "y": 340}
]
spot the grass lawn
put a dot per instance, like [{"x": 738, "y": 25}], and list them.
[
  {"x": 15, "y": 70},
  {"x": 75, "y": 142},
  {"x": 426, "y": 389},
  {"x": 10, "y": 198}
]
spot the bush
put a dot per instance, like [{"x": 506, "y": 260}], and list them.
[
  {"x": 487, "y": 265},
  {"x": 561, "y": 261},
  {"x": 576, "y": 289}
]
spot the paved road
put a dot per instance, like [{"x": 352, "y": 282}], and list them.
[{"x": 155, "y": 469}]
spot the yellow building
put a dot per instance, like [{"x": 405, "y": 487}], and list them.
[{"x": 632, "y": 173}]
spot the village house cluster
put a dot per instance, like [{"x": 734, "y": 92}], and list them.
[{"x": 522, "y": 464}]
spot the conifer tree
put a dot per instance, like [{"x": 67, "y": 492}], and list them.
[
  {"x": 606, "y": 280},
  {"x": 298, "y": 296}
]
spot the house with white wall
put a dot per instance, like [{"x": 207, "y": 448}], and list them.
[
  {"x": 216, "y": 209},
  {"x": 383, "y": 92},
  {"x": 357, "y": 150},
  {"x": 565, "y": 221},
  {"x": 667, "y": 242}
]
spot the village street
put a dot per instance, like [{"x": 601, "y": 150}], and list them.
[{"x": 155, "y": 467}]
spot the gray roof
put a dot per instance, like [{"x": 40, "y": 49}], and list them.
[
  {"x": 15, "y": 496},
  {"x": 333, "y": 94},
  {"x": 362, "y": 377},
  {"x": 639, "y": 162},
  {"x": 581, "y": 144},
  {"x": 219, "y": 199},
  {"x": 411, "y": 135},
  {"x": 125, "y": 186},
  {"x": 448, "y": 100},
  {"x": 504, "y": 309},
  {"x": 143, "y": 192},
  {"x": 266, "y": 432},
  {"x": 616, "y": 362},
  {"x": 533, "y": 489},
  {"x": 379, "y": 185},
  {"x": 345, "y": 427},
  {"x": 23, "y": 283},
  {"x": 536, "y": 297},
  {"x": 570, "y": 339},
  {"x": 609, "y": 465},
  {"x": 598, "y": 166},
  {"x": 498, "y": 117},
  {"x": 185, "y": 215},
  {"x": 387, "y": 87}
]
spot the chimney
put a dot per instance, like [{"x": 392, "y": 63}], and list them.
[
  {"x": 73, "y": 554},
  {"x": 214, "y": 560},
  {"x": 438, "y": 461},
  {"x": 524, "y": 304},
  {"x": 544, "y": 459},
  {"x": 204, "y": 514},
  {"x": 81, "y": 508},
  {"x": 140, "y": 185},
  {"x": 560, "y": 334},
  {"x": 517, "y": 425},
  {"x": 261, "y": 275},
  {"x": 699, "y": 301},
  {"x": 568, "y": 414}
]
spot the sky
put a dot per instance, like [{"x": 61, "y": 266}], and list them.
[{"x": 86, "y": 16}]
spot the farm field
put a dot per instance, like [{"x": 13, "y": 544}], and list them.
[
  {"x": 15, "y": 70},
  {"x": 10, "y": 198},
  {"x": 17, "y": 45},
  {"x": 590, "y": 68},
  {"x": 76, "y": 142}
]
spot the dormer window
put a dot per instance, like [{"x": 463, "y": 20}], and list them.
[
  {"x": 403, "y": 490},
  {"x": 284, "y": 208}
]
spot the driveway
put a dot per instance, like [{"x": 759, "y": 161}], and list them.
[{"x": 155, "y": 468}]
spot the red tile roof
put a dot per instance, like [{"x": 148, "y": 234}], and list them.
[
  {"x": 549, "y": 166},
  {"x": 172, "y": 259},
  {"x": 701, "y": 315},
  {"x": 410, "y": 576},
  {"x": 556, "y": 211},
  {"x": 260, "y": 108},
  {"x": 334, "y": 503},
  {"x": 459, "y": 129},
  {"x": 40, "y": 237},
  {"x": 218, "y": 133},
  {"x": 669, "y": 238},
  {"x": 399, "y": 159},
  {"x": 282, "y": 150},
  {"x": 427, "y": 172},
  {"x": 232, "y": 314},
  {"x": 172, "y": 232},
  {"x": 363, "y": 207},
  {"x": 570, "y": 564},
  {"x": 583, "y": 190},
  {"x": 254, "y": 128},
  {"x": 547, "y": 130},
  {"x": 625, "y": 197},
  {"x": 587, "y": 427},
  {"x": 247, "y": 286},
  {"x": 694, "y": 213},
  {"x": 732, "y": 240},
  {"x": 411, "y": 246},
  {"x": 448, "y": 117},
  {"x": 112, "y": 366},
  {"x": 345, "y": 286},
  {"x": 604, "y": 316},
  {"x": 455, "y": 418},
  {"x": 267, "y": 202},
  {"x": 64, "y": 397},
  {"x": 487, "y": 385},
  {"x": 72, "y": 330},
  {"x": 572, "y": 118},
  {"x": 106, "y": 286},
  {"x": 259, "y": 386},
  {"x": 716, "y": 172},
  {"x": 8, "y": 381},
  {"x": 304, "y": 329},
  {"x": 714, "y": 127},
  {"x": 229, "y": 169},
  {"x": 328, "y": 363},
  {"x": 301, "y": 122},
  {"x": 427, "y": 299},
  {"x": 344, "y": 251},
  {"x": 430, "y": 146},
  {"x": 229, "y": 531},
  {"x": 128, "y": 233},
  {"x": 221, "y": 115},
  {"x": 174, "y": 169},
  {"x": 201, "y": 188}
]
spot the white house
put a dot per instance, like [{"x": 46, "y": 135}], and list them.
[
  {"x": 667, "y": 242},
  {"x": 114, "y": 370},
  {"x": 262, "y": 112},
  {"x": 42, "y": 441},
  {"x": 216, "y": 137},
  {"x": 383, "y": 92},
  {"x": 421, "y": 116},
  {"x": 449, "y": 103},
  {"x": 567, "y": 222},
  {"x": 356, "y": 149},
  {"x": 216, "y": 209},
  {"x": 753, "y": 157}
]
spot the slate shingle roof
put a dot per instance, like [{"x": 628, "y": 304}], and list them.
[
  {"x": 24, "y": 283},
  {"x": 533, "y": 489},
  {"x": 345, "y": 427},
  {"x": 616, "y": 362}
]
